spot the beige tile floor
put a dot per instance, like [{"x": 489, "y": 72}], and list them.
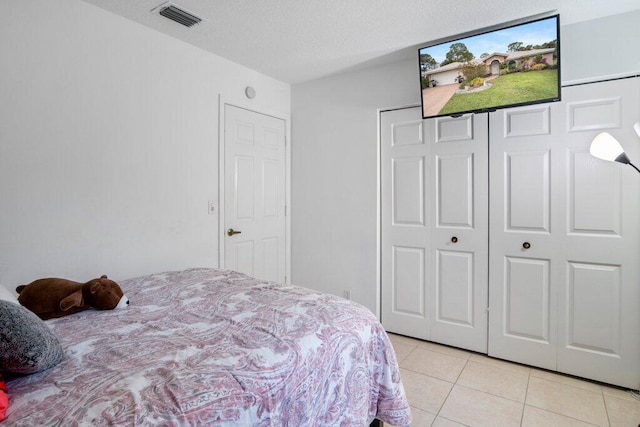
[{"x": 446, "y": 387}]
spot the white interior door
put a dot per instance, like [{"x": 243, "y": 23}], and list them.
[
  {"x": 254, "y": 201},
  {"x": 459, "y": 230},
  {"x": 564, "y": 236},
  {"x": 405, "y": 224},
  {"x": 434, "y": 227},
  {"x": 526, "y": 219}
]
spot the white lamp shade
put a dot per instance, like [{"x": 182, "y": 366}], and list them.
[{"x": 605, "y": 147}]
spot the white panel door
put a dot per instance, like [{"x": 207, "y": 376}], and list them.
[
  {"x": 523, "y": 305},
  {"x": 434, "y": 227},
  {"x": 254, "y": 218},
  {"x": 564, "y": 237},
  {"x": 459, "y": 230},
  {"x": 405, "y": 223}
]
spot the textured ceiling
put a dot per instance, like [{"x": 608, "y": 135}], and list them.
[{"x": 300, "y": 40}]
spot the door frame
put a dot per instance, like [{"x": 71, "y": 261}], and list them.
[{"x": 248, "y": 105}]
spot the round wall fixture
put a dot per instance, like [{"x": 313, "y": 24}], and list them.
[{"x": 250, "y": 92}]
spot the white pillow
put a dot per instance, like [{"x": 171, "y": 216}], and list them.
[{"x": 7, "y": 295}]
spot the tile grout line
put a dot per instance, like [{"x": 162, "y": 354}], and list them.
[
  {"x": 453, "y": 384},
  {"x": 563, "y": 415},
  {"x": 604, "y": 402},
  {"x": 526, "y": 394}
]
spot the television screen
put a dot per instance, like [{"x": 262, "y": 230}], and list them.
[{"x": 506, "y": 67}]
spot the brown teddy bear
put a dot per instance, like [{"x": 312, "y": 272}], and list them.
[{"x": 49, "y": 298}]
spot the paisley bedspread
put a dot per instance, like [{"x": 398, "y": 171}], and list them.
[{"x": 205, "y": 347}]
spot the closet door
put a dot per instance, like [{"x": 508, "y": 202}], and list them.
[
  {"x": 564, "y": 236},
  {"x": 434, "y": 227},
  {"x": 525, "y": 244},
  {"x": 405, "y": 223},
  {"x": 459, "y": 230}
]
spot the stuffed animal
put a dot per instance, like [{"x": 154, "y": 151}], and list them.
[{"x": 49, "y": 298}]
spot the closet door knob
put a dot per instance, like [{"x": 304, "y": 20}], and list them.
[
  {"x": 231, "y": 232},
  {"x": 454, "y": 239},
  {"x": 526, "y": 245}
]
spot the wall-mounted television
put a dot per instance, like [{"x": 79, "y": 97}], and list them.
[{"x": 506, "y": 67}]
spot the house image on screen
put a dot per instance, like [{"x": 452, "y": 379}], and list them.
[{"x": 518, "y": 60}]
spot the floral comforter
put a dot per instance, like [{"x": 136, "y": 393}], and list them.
[{"x": 206, "y": 347}]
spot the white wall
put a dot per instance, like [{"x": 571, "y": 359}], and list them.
[
  {"x": 334, "y": 152},
  {"x": 108, "y": 143},
  {"x": 333, "y": 176},
  {"x": 607, "y": 47}
]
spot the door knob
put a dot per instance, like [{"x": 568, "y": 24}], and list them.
[
  {"x": 454, "y": 239},
  {"x": 526, "y": 245},
  {"x": 231, "y": 232}
]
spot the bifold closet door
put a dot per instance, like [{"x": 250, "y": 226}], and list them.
[
  {"x": 458, "y": 180},
  {"x": 405, "y": 223},
  {"x": 564, "y": 236},
  {"x": 434, "y": 227}
]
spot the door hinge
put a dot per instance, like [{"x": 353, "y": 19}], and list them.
[
  {"x": 285, "y": 279},
  {"x": 285, "y": 210}
]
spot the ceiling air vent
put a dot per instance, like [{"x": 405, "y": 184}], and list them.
[{"x": 180, "y": 16}]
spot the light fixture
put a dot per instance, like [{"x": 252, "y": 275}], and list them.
[{"x": 604, "y": 146}]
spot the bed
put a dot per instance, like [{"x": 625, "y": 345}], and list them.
[{"x": 207, "y": 347}]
